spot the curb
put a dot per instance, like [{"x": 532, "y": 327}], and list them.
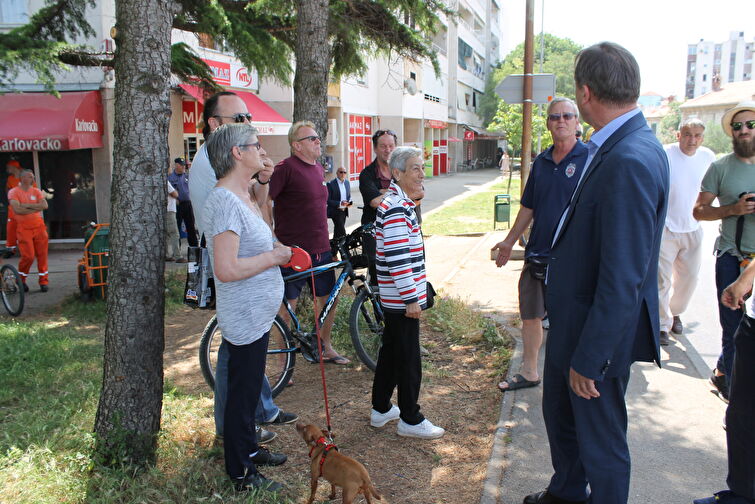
[{"x": 491, "y": 488}]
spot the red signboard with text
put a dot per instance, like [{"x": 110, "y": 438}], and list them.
[
  {"x": 444, "y": 156},
  {"x": 221, "y": 71},
  {"x": 360, "y": 146}
]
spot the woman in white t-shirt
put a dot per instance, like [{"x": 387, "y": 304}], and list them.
[{"x": 245, "y": 259}]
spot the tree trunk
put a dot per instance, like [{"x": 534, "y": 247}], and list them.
[
  {"x": 313, "y": 57},
  {"x": 128, "y": 415}
]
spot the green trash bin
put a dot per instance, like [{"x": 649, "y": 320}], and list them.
[
  {"x": 99, "y": 257},
  {"x": 502, "y": 209}
]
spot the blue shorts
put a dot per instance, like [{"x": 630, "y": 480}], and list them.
[{"x": 324, "y": 282}]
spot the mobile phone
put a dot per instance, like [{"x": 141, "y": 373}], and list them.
[{"x": 494, "y": 254}]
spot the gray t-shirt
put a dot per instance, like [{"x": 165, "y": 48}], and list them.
[
  {"x": 245, "y": 308},
  {"x": 727, "y": 178}
]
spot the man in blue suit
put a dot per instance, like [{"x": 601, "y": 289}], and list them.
[
  {"x": 602, "y": 293},
  {"x": 339, "y": 200}
]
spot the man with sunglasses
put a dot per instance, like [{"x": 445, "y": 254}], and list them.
[
  {"x": 731, "y": 179},
  {"x": 373, "y": 183},
  {"x": 223, "y": 108},
  {"x": 339, "y": 201},
  {"x": 554, "y": 176},
  {"x": 300, "y": 199}
]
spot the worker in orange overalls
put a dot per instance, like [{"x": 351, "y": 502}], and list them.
[
  {"x": 13, "y": 168},
  {"x": 28, "y": 202}
]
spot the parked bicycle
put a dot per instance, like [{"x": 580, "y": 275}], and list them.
[
  {"x": 365, "y": 320},
  {"x": 11, "y": 286}
]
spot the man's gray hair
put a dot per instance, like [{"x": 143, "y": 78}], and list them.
[
  {"x": 562, "y": 99},
  {"x": 691, "y": 122},
  {"x": 401, "y": 155},
  {"x": 611, "y": 73},
  {"x": 221, "y": 142}
]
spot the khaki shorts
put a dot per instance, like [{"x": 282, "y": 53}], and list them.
[{"x": 531, "y": 296}]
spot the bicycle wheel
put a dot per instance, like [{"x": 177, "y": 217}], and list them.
[
  {"x": 366, "y": 327},
  {"x": 12, "y": 290},
  {"x": 280, "y": 359}
]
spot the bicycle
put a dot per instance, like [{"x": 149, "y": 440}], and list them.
[
  {"x": 365, "y": 320},
  {"x": 11, "y": 286}
]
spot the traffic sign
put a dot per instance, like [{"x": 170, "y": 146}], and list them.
[{"x": 511, "y": 89}]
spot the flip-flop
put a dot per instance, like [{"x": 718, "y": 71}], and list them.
[
  {"x": 519, "y": 382},
  {"x": 339, "y": 360}
]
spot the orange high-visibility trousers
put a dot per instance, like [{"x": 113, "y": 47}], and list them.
[
  {"x": 10, "y": 229},
  {"x": 32, "y": 243}
]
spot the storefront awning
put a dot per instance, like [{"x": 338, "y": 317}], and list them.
[
  {"x": 42, "y": 122},
  {"x": 264, "y": 117}
]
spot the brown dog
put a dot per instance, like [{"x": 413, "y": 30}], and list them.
[{"x": 338, "y": 469}]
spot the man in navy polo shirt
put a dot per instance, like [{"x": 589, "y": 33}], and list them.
[{"x": 554, "y": 176}]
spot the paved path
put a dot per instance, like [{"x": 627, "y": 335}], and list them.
[{"x": 678, "y": 445}]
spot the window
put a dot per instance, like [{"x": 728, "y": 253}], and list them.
[{"x": 13, "y": 12}]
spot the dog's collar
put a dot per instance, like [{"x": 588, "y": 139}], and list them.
[{"x": 321, "y": 441}]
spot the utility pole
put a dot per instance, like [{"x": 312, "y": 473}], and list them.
[{"x": 527, "y": 91}]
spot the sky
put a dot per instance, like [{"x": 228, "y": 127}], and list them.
[{"x": 655, "y": 31}]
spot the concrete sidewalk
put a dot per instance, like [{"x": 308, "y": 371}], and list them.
[{"x": 676, "y": 438}]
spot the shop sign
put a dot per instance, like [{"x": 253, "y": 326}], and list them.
[
  {"x": 434, "y": 123},
  {"x": 468, "y": 135},
  {"x": 38, "y": 144},
  {"x": 89, "y": 126},
  {"x": 221, "y": 71},
  {"x": 242, "y": 77}
]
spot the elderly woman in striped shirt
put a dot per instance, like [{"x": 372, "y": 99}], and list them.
[{"x": 400, "y": 261}]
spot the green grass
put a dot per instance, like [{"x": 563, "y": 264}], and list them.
[
  {"x": 51, "y": 374},
  {"x": 473, "y": 214}
]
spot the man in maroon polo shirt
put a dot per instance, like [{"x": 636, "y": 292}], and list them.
[{"x": 300, "y": 197}]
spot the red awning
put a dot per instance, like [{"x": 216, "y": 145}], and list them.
[
  {"x": 261, "y": 111},
  {"x": 41, "y": 122}
]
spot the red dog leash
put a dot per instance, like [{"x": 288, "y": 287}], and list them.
[{"x": 300, "y": 261}]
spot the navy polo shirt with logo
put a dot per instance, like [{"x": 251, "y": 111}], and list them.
[{"x": 548, "y": 190}]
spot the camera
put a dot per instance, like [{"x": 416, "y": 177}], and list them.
[{"x": 751, "y": 198}]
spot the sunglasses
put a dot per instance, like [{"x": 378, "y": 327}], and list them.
[
  {"x": 342, "y": 173},
  {"x": 238, "y": 118},
  {"x": 736, "y": 126},
  {"x": 255, "y": 144},
  {"x": 380, "y": 133},
  {"x": 311, "y": 138},
  {"x": 568, "y": 116}
]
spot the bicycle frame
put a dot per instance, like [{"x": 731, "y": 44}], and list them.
[{"x": 346, "y": 274}]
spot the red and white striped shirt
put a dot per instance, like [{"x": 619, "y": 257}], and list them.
[{"x": 400, "y": 255}]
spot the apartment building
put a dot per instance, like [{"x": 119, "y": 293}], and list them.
[
  {"x": 437, "y": 113},
  {"x": 71, "y": 151},
  {"x": 720, "y": 63}
]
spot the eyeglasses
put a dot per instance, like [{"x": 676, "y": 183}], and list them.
[
  {"x": 568, "y": 116},
  {"x": 239, "y": 118},
  {"x": 736, "y": 126},
  {"x": 311, "y": 138},
  {"x": 342, "y": 173},
  {"x": 255, "y": 144}
]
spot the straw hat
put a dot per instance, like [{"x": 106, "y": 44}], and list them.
[{"x": 729, "y": 115}]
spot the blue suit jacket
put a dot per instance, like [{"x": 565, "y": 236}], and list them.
[
  {"x": 334, "y": 196},
  {"x": 602, "y": 295}
]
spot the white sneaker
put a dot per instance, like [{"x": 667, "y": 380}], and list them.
[
  {"x": 423, "y": 430},
  {"x": 380, "y": 419}
]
